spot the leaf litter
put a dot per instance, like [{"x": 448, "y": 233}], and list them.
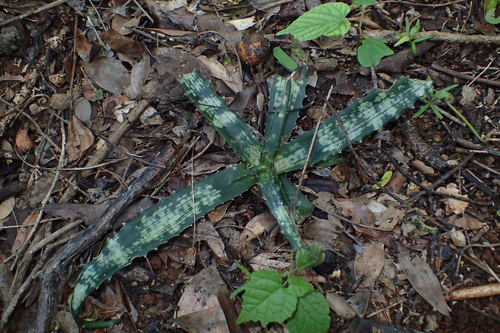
[{"x": 345, "y": 219}]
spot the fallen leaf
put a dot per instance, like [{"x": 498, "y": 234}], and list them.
[
  {"x": 6, "y": 207},
  {"x": 199, "y": 307},
  {"x": 205, "y": 231},
  {"x": 23, "y": 232},
  {"x": 23, "y": 141},
  {"x": 322, "y": 232},
  {"x": 89, "y": 213},
  {"x": 186, "y": 256},
  {"x": 83, "y": 110},
  {"x": 108, "y": 74},
  {"x": 467, "y": 222},
  {"x": 454, "y": 205},
  {"x": 369, "y": 264},
  {"x": 66, "y": 322},
  {"x": 85, "y": 49},
  {"x": 244, "y": 23},
  {"x": 423, "y": 279},
  {"x": 229, "y": 74},
  {"x": 218, "y": 213},
  {"x": 256, "y": 227},
  {"x": 340, "y": 306},
  {"x": 150, "y": 117},
  {"x": 458, "y": 237},
  {"x": 389, "y": 218},
  {"x": 138, "y": 77},
  {"x": 80, "y": 138},
  {"x": 272, "y": 261},
  {"x": 122, "y": 44},
  {"x": 60, "y": 101}
]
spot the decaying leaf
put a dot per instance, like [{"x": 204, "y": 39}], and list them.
[
  {"x": 453, "y": 205},
  {"x": 6, "y": 207},
  {"x": 122, "y": 44},
  {"x": 84, "y": 48},
  {"x": 256, "y": 227},
  {"x": 109, "y": 74},
  {"x": 369, "y": 264},
  {"x": 323, "y": 232},
  {"x": 272, "y": 261},
  {"x": 80, "y": 138},
  {"x": 205, "y": 231},
  {"x": 467, "y": 222},
  {"x": 228, "y": 74},
  {"x": 340, "y": 306},
  {"x": 24, "y": 141},
  {"x": 23, "y": 232},
  {"x": 199, "y": 307},
  {"x": 423, "y": 279},
  {"x": 218, "y": 213}
]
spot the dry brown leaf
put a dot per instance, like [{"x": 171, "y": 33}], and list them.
[
  {"x": 467, "y": 222},
  {"x": 85, "y": 49},
  {"x": 205, "y": 231},
  {"x": 80, "y": 138},
  {"x": 273, "y": 261},
  {"x": 458, "y": 237},
  {"x": 23, "y": 141},
  {"x": 423, "y": 279},
  {"x": 340, "y": 306},
  {"x": 256, "y": 227},
  {"x": 22, "y": 232},
  {"x": 138, "y": 78},
  {"x": 229, "y": 74},
  {"x": 389, "y": 218},
  {"x": 218, "y": 213},
  {"x": 122, "y": 44},
  {"x": 454, "y": 205},
  {"x": 323, "y": 232},
  {"x": 6, "y": 207},
  {"x": 369, "y": 264},
  {"x": 199, "y": 307},
  {"x": 109, "y": 74}
]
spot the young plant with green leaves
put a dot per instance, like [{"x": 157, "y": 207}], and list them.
[
  {"x": 443, "y": 96},
  {"x": 270, "y": 297},
  {"x": 490, "y": 7},
  {"x": 265, "y": 165},
  {"x": 409, "y": 36}
]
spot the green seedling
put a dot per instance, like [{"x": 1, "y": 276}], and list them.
[
  {"x": 284, "y": 59},
  {"x": 490, "y": 7},
  {"x": 409, "y": 36},
  {"x": 270, "y": 297},
  {"x": 443, "y": 96},
  {"x": 264, "y": 163}
]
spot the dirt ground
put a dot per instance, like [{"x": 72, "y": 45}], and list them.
[{"x": 95, "y": 128}]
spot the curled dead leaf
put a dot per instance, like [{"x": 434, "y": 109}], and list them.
[
  {"x": 80, "y": 138},
  {"x": 23, "y": 141},
  {"x": 454, "y": 205}
]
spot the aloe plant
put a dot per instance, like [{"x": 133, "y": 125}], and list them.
[{"x": 265, "y": 165}]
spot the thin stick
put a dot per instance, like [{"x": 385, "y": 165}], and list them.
[
  {"x": 32, "y": 12},
  {"x": 451, "y": 72},
  {"x": 392, "y": 37},
  {"x": 26, "y": 243},
  {"x": 482, "y": 72},
  {"x": 423, "y": 4},
  {"x": 311, "y": 146}
]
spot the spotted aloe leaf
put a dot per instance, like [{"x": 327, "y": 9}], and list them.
[
  {"x": 157, "y": 225},
  {"x": 361, "y": 118},
  {"x": 261, "y": 165},
  {"x": 234, "y": 131}
]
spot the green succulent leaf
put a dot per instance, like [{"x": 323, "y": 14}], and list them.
[
  {"x": 234, "y": 131},
  {"x": 158, "y": 224},
  {"x": 302, "y": 208},
  {"x": 265, "y": 299},
  {"x": 284, "y": 59},
  {"x": 361, "y": 118},
  {"x": 270, "y": 187},
  {"x": 310, "y": 256},
  {"x": 490, "y": 7},
  {"x": 372, "y": 50},
  {"x": 312, "y": 315},
  {"x": 328, "y": 19}
]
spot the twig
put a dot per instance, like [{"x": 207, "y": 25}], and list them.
[
  {"x": 26, "y": 243},
  {"x": 479, "y": 75},
  {"x": 54, "y": 273},
  {"x": 311, "y": 146},
  {"x": 392, "y": 37},
  {"x": 451, "y": 72},
  {"x": 32, "y": 12},
  {"x": 90, "y": 167}
]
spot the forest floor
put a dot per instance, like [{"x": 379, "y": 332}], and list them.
[{"x": 89, "y": 101}]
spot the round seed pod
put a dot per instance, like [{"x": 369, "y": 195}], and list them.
[{"x": 253, "y": 49}]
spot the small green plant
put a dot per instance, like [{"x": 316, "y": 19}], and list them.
[
  {"x": 490, "y": 7},
  {"x": 409, "y": 36},
  {"x": 264, "y": 163},
  {"x": 272, "y": 297},
  {"x": 372, "y": 50},
  {"x": 443, "y": 96}
]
